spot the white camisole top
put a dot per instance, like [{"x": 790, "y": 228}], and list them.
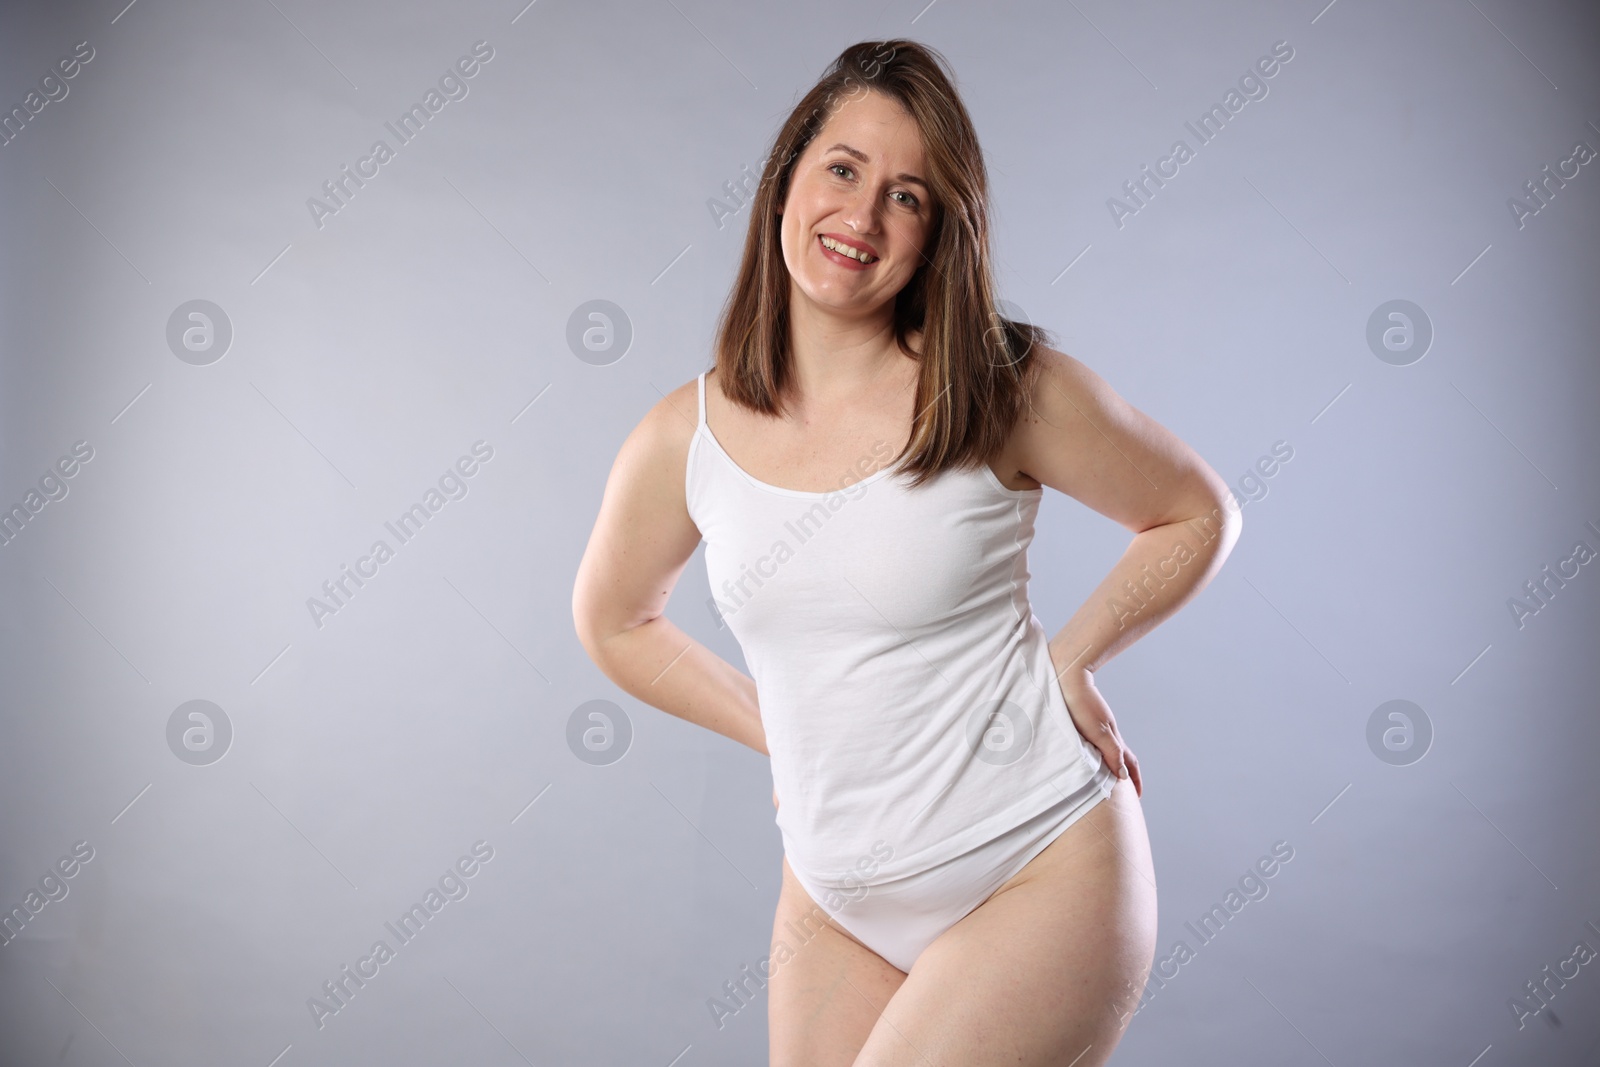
[{"x": 910, "y": 705}]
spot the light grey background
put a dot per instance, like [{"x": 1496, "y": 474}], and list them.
[{"x": 433, "y": 710}]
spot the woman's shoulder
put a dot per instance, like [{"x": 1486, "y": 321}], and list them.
[
  {"x": 662, "y": 436},
  {"x": 1057, "y": 383}
]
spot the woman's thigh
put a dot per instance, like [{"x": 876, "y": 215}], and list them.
[
  {"x": 825, "y": 989},
  {"x": 1048, "y": 970}
]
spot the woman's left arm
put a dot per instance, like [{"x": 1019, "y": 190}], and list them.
[{"x": 1082, "y": 439}]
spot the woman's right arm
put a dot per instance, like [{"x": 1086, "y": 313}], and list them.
[{"x": 641, "y": 541}]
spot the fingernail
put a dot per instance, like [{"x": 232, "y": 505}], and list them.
[{"x": 1123, "y": 773}]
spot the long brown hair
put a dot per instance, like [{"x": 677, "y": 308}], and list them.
[{"x": 976, "y": 365}]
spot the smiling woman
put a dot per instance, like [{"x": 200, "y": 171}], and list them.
[
  {"x": 913, "y": 706},
  {"x": 963, "y": 416}
]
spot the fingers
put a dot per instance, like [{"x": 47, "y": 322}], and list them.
[
  {"x": 1097, "y": 724},
  {"x": 1120, "y": 759},
  {"x": 1111, "y": 747}
]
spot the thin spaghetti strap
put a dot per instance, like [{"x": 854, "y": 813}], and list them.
[{"x": 702, "y": 424}]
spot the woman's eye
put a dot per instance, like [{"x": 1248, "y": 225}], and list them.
[{"x": 910, "y": 200}]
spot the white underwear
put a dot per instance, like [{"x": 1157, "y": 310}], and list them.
[{"x": 900, "y": 918}]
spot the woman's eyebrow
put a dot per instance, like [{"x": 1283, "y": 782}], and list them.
[{"x": 911, "y": 179}]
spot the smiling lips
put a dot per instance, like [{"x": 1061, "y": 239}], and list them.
[{"x": 860, "y": 255}]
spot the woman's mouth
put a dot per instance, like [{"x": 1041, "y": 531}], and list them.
[{"x": 840, "y": 252}]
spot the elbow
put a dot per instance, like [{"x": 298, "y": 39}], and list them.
[
  {"x": 1231, "y": 511},
  {"x": 1231, "y": 514},
  {"x": 603, "y": 612},
  {"x": 597, "y": 624},
  {"x": 1223, "y": 506},
  {"x": 594, "y": 640},
  {"x": 1218, "y": 521},
  {"x": 586, "y": 621},
  {"x": 586, "y": 636}
]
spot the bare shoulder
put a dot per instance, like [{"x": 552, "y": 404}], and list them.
[
  {"x": 670, "y": 422},
  {"x": 647, "y": 481},
  {"x": 643, "y": 535},
  {"x": 1080, "y": 437},
  {"x": 659, "y": 444},
  {"x": 1061, "y": 385}
]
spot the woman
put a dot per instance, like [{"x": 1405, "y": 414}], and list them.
[{"x": 966, "y": 877}]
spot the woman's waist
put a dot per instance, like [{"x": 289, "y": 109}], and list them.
[{"x": 839, "y": 843}]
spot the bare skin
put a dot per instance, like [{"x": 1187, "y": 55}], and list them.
[{"x": 1049, "y": 968}]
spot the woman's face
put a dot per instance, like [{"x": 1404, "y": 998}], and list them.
[{"x": 859, "y": 182}]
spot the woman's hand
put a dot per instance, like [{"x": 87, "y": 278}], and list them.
[
  {"x": 1094, "y": 720},
  {"x": 774, "y": 798}
]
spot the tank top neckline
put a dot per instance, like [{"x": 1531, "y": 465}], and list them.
[{"x": 704, "y": 429}]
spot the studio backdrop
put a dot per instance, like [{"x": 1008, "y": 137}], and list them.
[{"x": 323, "y": 325}]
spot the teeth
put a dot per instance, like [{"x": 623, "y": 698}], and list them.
[{"x": 846, "y": 250}]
